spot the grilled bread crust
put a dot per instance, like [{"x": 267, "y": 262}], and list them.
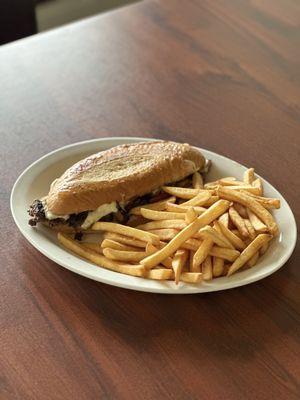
[{"x": 120, "y": 174}]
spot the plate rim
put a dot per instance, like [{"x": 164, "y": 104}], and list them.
[{"x": 187, "y": 288}]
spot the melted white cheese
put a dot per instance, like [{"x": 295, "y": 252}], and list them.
[
  {"x": 94, "y": 216},
  {"x": 49, "y": 215}
]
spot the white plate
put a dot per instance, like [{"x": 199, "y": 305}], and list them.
[{"x": 35, "y": 180}]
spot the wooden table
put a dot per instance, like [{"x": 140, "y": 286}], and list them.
[{"x": 220, "y": 74}]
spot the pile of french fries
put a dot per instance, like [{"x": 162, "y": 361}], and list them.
[{"x": 199, "y": 233}]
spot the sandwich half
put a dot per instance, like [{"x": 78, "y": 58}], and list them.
[{"x": 106, "y": 185}]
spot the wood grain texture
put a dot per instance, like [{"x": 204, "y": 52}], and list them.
[{"x": 218, "y": 74}]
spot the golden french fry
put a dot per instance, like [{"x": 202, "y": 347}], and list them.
[
  {"x": 92, "y": 246},
  {"x": 224, "y": 219},
  {"x": 191, "y": 277},
  {"x": 253, "y": 260},
  {"x": 159, "y": 206},
  {"x": 216, "y": 237},
  {"x": 217, "y": 228},
  {"x": 199, "y": 200},
  {"x": 207, "y": 217},
  {"x": 191, "y": 244},
  {"x": 249, "y": 252},
  {"x": 163, "y": 224},
  {"x": 230, "y": 181},
  {"x": 218, "y": 266},
  {"x": 112, "y": 244},
  {"x": 258, "y": 184},
  {"x": 164, "y": 234},
  {"x": 126, "y": 230},
  {"x": 90, "y": 255},
  {"x": 182, "y": 193},
  {"x": 237, "y": 233},
  {"x": 121, "y": 255},
  {"x": 201, "y": 254},
  {"x": 178, "y": 262},
  {"x": 264, "y": 248},
  {"x": 125, "y": 239},
  {"x": 251, "y": 230},
  {"x": 211, "y": 201},
  {"x": 266, "y": 202},
  {"x": 161, "y": 274},
  {"x": 249, "y": 176},
  {"x": 221, "y": 252},
  {"x": 150, "y": 249},
  {"x": 190, "y": 215},
  {"x": 183, "y": 209},
  {"x": 257, "y": 224},
  {"x": 246, "y": 188},
  {"x": 238, "y": 221},
  {"x": 197, "y": 181},
  {"x": 159, "y": 215},
  {"x": 190, "y": 263},
  {"x": 241, "y": 210},
  {"x": 234, "y": 239},
  {"x": 207, "y": 269}
]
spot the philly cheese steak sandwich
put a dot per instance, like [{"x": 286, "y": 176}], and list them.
[{"x": 106, "y": 185}]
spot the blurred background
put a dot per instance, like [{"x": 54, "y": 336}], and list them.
[{"x": 21, "y": 18}]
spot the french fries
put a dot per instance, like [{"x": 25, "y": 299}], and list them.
[
  {"x": 183, "y": 209},
  {"x": 207, "y": 269},
  {"x": 182, "y": 193},
  {"x": 164, "y": 234},
  {"x": 249, "y": 176},
  {"x": 202, "y": 253},
  {"x": 206, "y": 218},
  {"x": 158, "y": 215},
  {"x": 257, "y": 183},
  {"x": 199, "y": 200},
  {"x": 77, "y": 248},
  {"x": 197, "y": 181},
  {"x": 251, "y": 230},
  {"x": 121, "y": 255},
  {"x": 160, "y": 274},
  {"x": 218, "y": 266},
  {"x": 126, "y": 230},
  {"x": 158, "y": 206},
  {"x": 198, "y": 234},
  {"x": 241, "y": 210},
  {"x": 257, "y": 224},
  {"x": 253, "y": 205},
  {"x": 263, "y": 248},
  {"x": 222, "y": 252},
  {"x": 266, "y": 202},
  {"x": 216, "y": 237},
  {"x": 180, "y": 258},
  {"x": 253, "y": 260},
  {"x": 191, "y": 277},
  {"x": 190, "y": 215},
  {"x": 234, "y": 239},
  {"x": 150, "y": 249},
  {"x": 224, "y": 220},
  {"x": 125, "y": 239},
  {"x": 93, "y": 246},
  {"x": 238, "y": 222},
  {"x": 246, "y": 188},
  {"x": 112, "y": 244},
  {"x": 163, "y": 224},
  {"x": 249, "y": 252}
]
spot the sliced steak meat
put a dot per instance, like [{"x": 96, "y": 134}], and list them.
[{"x": 37, "y": 212}]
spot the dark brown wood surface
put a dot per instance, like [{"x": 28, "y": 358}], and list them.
[{"x": 224, "y": 75}]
